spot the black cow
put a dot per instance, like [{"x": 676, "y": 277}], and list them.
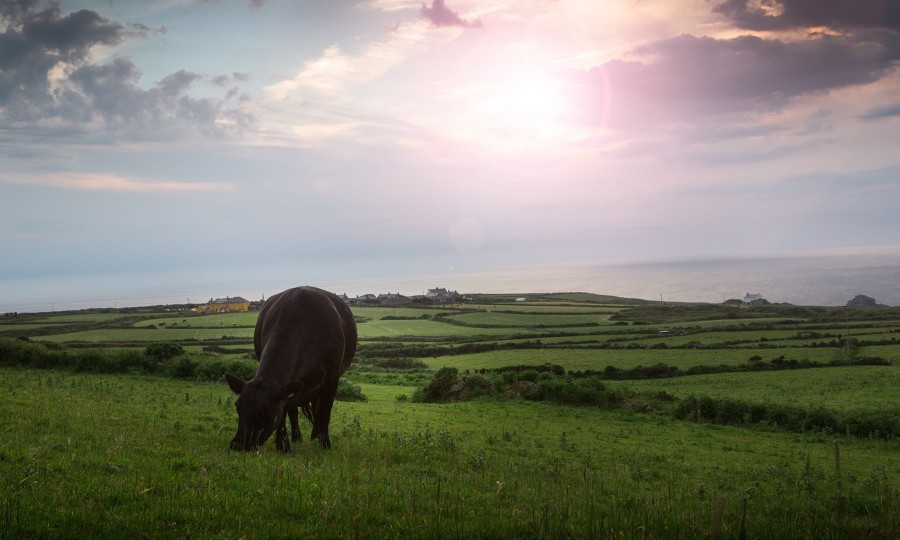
[{"x": 305, "y": 339}]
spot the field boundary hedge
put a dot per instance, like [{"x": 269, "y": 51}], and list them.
[
  {"x": 161, "y": 359},
  {"x": 549, "y": 385}
]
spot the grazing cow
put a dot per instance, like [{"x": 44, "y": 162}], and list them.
[{"x": 305, "y": 339}]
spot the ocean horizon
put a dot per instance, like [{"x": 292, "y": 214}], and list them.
[{"x": 827, "y": 278}]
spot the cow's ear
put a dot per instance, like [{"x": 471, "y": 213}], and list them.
[
  {"x": 290, "y": 390},
  {"x": 237, "y": 385}
]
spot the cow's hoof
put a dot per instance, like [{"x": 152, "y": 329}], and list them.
[{"x": 283, "y": 445}]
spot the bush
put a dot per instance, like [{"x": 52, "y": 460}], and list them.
[
  {"x": 570, "y": 391},
  {"x": 213, "y": 369},
  {"x": 347, "y": 391},
  {"x": 163, "y": 351},
  {"x": 478, "y": 386},
  {"x": 242, "y": 369},
  {"x": 438, "y": 389},
  {"x": 181, "y": 367},
  {"x": 400, "y": 363}
]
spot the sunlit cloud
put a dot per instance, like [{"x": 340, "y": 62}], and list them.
[
  {"x": 114, "y": 183},
  {"x": 336, "y": 71}
]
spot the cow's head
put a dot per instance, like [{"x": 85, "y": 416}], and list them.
[{"x": 257, "y": 407}]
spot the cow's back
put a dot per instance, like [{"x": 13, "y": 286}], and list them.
[
  {"x": 349, "y": 326},
  {"x": 306, "y": 322}
]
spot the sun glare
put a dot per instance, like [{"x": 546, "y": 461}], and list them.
[{"x": 532, "y": 101}]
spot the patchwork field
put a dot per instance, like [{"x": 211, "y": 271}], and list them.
[{"x": 140, "y": 451}]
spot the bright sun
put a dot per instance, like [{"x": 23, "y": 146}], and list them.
[
  {"x": 521, "y": 109},
  {"x": 532, "y": 102}
]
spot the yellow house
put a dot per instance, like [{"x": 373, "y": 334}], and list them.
[{"x": 225, "y": 305}]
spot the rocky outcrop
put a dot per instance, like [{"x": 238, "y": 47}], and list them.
[{"x": 863, "y": 301}]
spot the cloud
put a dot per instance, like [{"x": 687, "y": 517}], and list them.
[
  {"x": 789, "y": 14},
  {"x": 680, "y": 78},
  {"x": 47, "y": 80},
  {"x": 115, "y": 183},
  {"x": 877, "y": 113},
  {"x": 321, "y": 99},
  {"x": 440, "y": 15}
]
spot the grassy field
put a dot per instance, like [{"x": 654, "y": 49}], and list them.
[
  {"x": 594, "y": 359},
  {"x": 839, "y": 388},
  {"x": 136, "y": 455},
  {"x": 128, "y": 456}
]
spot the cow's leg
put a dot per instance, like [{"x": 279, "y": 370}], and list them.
[
  {"x": 295, "y": 426},
  {"x": 322, "y": 412},
  {"x": 312, "y": 375},
  {"x": 281, "y": 440}
]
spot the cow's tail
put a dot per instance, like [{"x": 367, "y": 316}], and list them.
[{"x": 306, "y": 407}]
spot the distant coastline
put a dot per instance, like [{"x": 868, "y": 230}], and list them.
[{"x": 830, "y": 278}]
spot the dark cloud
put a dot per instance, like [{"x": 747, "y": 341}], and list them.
[
  {"x": 440, "y": 15},
  {"x": 687, "y": 76},
  {"x": 108, "y": 94},
  {"x": 46, "y": 76},
  {"x": 877, "y": 113},
  {"x": 225, "y": 80},
  {"x": 788, "y": 14}
]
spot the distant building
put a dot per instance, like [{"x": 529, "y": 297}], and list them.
[
  {"x": 434, "y": 296},
  {"x": 753, "y": 298},
  {"x": 229, "y": 304},
  {"x": 393, "y": 299},
  {"x": 441, "y": 296}
]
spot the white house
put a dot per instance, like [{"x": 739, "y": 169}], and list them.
[{"x": 751, "y": 298}]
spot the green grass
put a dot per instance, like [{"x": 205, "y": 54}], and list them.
[
  {"x": 126, "y": 456},
  {"x": 425, "y": 328},
  {"x": 113, "y": 335},
  {"x": 213, "y": 320},
  {"x": 548, "y": 318},
  {"x": 837, "y": 388},
  {"x": 598, "y": 359},
  {"x": 78, "y": 317},
  {"x": 553, "y": 308},
  {"x": 888, "y": 352},
  {"x": 141, "y": 456},
  {"x": 19, "y": 327}
]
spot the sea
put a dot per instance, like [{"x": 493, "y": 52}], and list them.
[{"x": 814, "y": 278}]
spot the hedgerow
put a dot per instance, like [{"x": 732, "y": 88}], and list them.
[
  {"x": 545, "y": 383},
  {"x": 861, "y": 423}
]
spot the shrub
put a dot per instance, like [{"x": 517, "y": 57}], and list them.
[
  {"x": 400, "y": 363},
  {"x": 478, "y": 386},
  {"x": 347, "y": 391},
  {"x": 567, "y": 390},
  {"x": 213, "y": 369},
  {"x": 242, "y": 369},
  {"x": 182, "y": 367},
  {"x": 438, "y": 389},
  {"x": 163, "y": 351},
  {"x": 88, "y": 360}
]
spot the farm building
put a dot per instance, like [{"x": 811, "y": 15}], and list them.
[
  {"x": 441, "y": 296},
  {"x": 753, "y": 298},
  {"x": 392, "y": 299},
  {"x": 225, "y": 305}
]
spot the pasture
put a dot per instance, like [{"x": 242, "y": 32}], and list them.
[
  {"x": 128, "y": 456},
  {"x": 137, "y": 455}
]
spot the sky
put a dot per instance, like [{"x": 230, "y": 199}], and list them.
[{"x": 221, "y": 146}]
